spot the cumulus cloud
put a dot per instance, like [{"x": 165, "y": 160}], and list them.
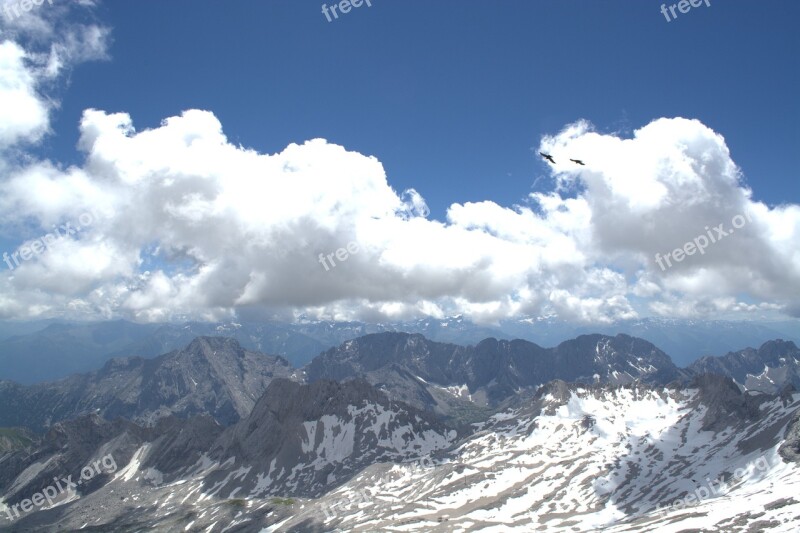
[
  {"x": 187, "y": 225},
  {"x": 23, "y": 115},
  {"x": 670, "y": 184},
  {"x": 38, "y": 47},
  {"x": 190, "y": 225}
]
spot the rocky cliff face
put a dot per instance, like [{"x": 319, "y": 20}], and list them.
[
  {"x": 790, "y": 449},
  {"x": 305, "y": 439},
  {"x": 13, "y": 439}
]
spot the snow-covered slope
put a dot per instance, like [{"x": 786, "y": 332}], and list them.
[
  {"x": 583, "y": 459},
  {"x": 574, "y": 458}
]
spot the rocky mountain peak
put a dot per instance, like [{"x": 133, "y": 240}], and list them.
[
  {"x": 775, "y": 349},
  {"x": 208, "y": 345}
]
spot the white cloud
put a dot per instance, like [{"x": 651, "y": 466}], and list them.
[
  {"x": 37, "y": 47},
  {"x": 23, "y": 114},
  {"x": 188, "y": 225},
  {"x": 671, "y": 183}
]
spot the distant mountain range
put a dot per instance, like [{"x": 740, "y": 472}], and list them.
[
  {"x": 685, "y": 340},
  {"x": 45, "y": 351},
  {"x": 768, "y": 369},
  {"x": 448, "y": 378},
  {"x": 212, "y": 376},
  {"x": 217, "y": 377}
]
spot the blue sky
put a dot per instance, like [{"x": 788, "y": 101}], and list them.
[
  {"x": 452, "y": 99},
  {"x": 450, "y": 95}
]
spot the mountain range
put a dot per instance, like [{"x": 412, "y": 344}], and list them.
[
  {"x": 449, "y": 378},
  {"x": 766, "y": 369},
  {"x": 396, "y": 431},
  {"x": 217, "y": 377}
]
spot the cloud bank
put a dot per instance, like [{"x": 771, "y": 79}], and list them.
[{"x": 188, "y": 225}]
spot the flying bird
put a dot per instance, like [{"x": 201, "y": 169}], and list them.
[
  {"x": 548, "y": 157},
  {"x": 578, "y": 161}
]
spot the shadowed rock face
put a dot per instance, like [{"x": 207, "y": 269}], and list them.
[
  {"x": 213, "y": 376},
  {"x": 725, "y": 402},
  {"x": 68, "y": 447},
  {"x": 790, "y": 450},
  {"x": 13, "y": 439},
  {"x": 304, "y": 439},
  {"x": 767, "y": 369},
  {"x": 298, "y": 440},
  {"x": 492, "y": 371}
]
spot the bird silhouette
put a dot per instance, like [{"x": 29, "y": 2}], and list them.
[
  {"x": 578, "y": 161},
  {"x": 548, "y": 157}
]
